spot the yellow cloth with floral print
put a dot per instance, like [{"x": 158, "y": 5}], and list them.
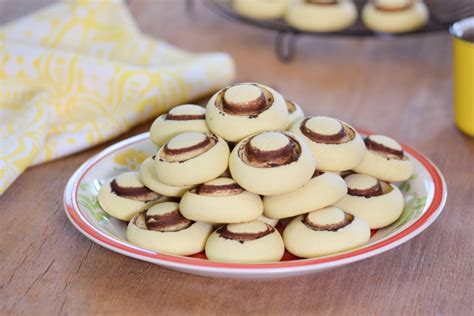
[{"x": 78, "y": 73}]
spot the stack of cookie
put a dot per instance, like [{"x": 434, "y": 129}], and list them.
[
  {"x": 388, "y": 16},
  {"x": 225, "y": 175}
]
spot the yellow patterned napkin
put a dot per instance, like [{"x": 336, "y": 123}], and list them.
[{"x": 78, "y": 73}]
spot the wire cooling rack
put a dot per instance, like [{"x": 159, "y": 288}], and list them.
[{"x": 442, "y": 14}]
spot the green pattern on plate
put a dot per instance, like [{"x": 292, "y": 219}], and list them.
[
  {"x": 87, "y": 197},
  {"x": 414, "y": 204}
]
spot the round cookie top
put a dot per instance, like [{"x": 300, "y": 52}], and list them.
[
  {"x": 360, "y": 181},
  {"x": 245, "y": 231},
  {"x": 242, "y": 94},
  {"x": 244, "y": 99},
  {"x": 327, "y": 219},
  {"x": 384, "y": 146},
  {"x": 186, "y": 112},
  {"x": 326, "y": 130},
  {"x": 186, "y": 146},
  {"x": 269, "y": 141},
  {"x": 165, "y": 217},
  {"x": 386, "y": 141},
  {"x": 270, "y": 149},
  {"x": 186, "y": 140},
  {"x": 129, "y": 179},
  {"x": 128, "y": 186},
  {"x": 218, "y": 187},
  {"x": 326, "y": 216},
  {"x": 324, "y": 125}
]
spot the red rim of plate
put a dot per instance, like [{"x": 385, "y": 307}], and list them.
[{"x": 70, "y": 204}]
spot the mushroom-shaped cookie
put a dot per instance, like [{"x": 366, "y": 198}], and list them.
[
  {"x": 149, "y": 179},
  {"x": 324, "y": 189},
  {"x": 183, "y": 118},
  {"x": 335, "y": 144},
  {"x": 221, "y": 200},
  {"x": 246, "y": 242},
  {"x": 295, "y": 112},
  {"x": 321, "y": 15},
  {"x": 385, "y": 160},
  {"x": 191, "y": 158},
  {"x": 125, "y": 196},
  {"x": 271, "y": 163},
  {"x": 162, "y": 228},
  {"x": 243, "y": 109},
  {"x": 377, "y": 202},
  {"x": 324, "y": 232},
  {"x": 394, "y": 16},
  {"x": 260, "y": 9}
]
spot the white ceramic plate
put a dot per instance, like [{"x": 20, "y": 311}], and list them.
[{"x": 425, "y": 194}]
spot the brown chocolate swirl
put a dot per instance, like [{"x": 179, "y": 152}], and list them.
[
  {"x": 225, "y": 233},
  {"x": 258, "y": 158},
  {"x": 168, "y": 222},
  {"x": 290, "y": 105},
  {"x": 184, "y": 117},
  {"x": 385, "y": 151},
  {"x": 218, "y": 190},
  {"x": 348, "y": 218},
  {"x": 344, "y": 135},
  {"x": 186, "y": 153},
  {"x": 383, "y": 8},
  {"x": 378, "y": 189},
  {"x": 142, "y": 194},
  {"x": 251, "y": 108}
]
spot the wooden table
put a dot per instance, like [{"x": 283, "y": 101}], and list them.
[{"x": 399, "y": 87}]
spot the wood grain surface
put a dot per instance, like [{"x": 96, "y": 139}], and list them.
[{"x": 400, "y": 87}]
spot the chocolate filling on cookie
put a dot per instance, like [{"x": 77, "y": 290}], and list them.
[
  {"x": 256, "y": 157},
  {"x": 184, "y": 117},
  {"x": 169, "y": 222},
  {"x": 225, "y": 233},
  {"x": 379, "y": 6},
  {"x": 218, "y": 190},
  {"x": 380, "y": 188},
  {"x": 388, "y": 152},
  {"x": 251, "y": 108},
  {"x": 348, "y": 218},
  {"x": 344, "y": 135},
  {"x": 186, "y": 153},
  {"x": 142, "y": 194}
]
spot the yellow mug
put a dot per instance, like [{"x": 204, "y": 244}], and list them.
[{"x": 463, "y": 38}]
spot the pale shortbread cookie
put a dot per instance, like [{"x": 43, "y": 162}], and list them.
[
  {"x": 163, "y": 229},
  {"x": 272, "y": 163},
  {"x": 385, "y": 160},
  {"x": 125, "y": 196},
  {"x": 221, "y": 200},
  {"x": 322, "y": 190},
  {"x": 243, "y": 109},
  {"x": 395, "y": 16},
  {"x": 377, "y": 202},
  {"x": 247, "y": 242},
  {"x": 295, "y": 112},
  {"x": 183, "y": 118},
  {"x": 321, "y": 15},
  {"x": 335, "y": 144},
  {"x": 191, "y": 158},
  {"x": 148, "y": 178},
  {"x": 260, "y": 9},
  {"x": 325, "y": 232}
]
